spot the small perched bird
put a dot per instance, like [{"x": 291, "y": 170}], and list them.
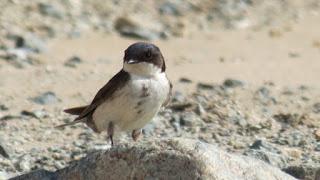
[{"x": 132, "y": 97}]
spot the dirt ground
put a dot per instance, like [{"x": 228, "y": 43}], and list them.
[{"x": 283, "y": 58}]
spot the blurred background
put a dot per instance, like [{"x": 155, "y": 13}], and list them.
[{"x": 245, "y": 75}]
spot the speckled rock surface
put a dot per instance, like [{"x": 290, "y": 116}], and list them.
[{"x": 164, "y": 159}]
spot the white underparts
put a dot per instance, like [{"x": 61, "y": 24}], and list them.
[
  {"x": 142, "y": 69},
  {"x": 135, "y": 104}
]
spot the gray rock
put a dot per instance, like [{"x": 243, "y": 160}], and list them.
[
  {"x": 317, "y": 148},
  {"x": 129, "y": 28},
  {"x": 36, "y": 114},
  {"x": 46, "y": 98},
  {"x": 178, "y": 97},
  {"x": 24, "y": 163},
  {"x": 18, "y": 57},
  {"x": 185, "y": 80},
  {"x": 188, "y": 119},
  {"x": 267, "y": 153},
  {"x": 3, "y": 149},
  {"x": 296, "y": 171},
  {"x": 50, "y": 10},
  {"x": 170, "y": 9},
  {"x": 30, "y": 42},
  {"x": 73, "y": 61},
  {"x": 163, "y": 159},
  {"x": 232, "y": 83},
  {"x": 3, "y": 107},
  {"x": 205, "y": 86},
  {"x": 316, "y": 108}
]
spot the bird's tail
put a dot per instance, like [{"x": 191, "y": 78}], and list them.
[
  {"x": 73, "y": 111},
  {"x": 70, "y": 123}
]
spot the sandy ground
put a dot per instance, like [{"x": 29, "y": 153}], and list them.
[{"x": 286, "y": 56}]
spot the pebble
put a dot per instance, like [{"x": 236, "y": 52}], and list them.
[
  {"x": 232, "y": 83},
  {"x": 317, "y": 134},
  {"x": 3, "y": 150},
  {"x": 316, "y": 108},
  {"x": 36, "y": 114},
  {"x": 295, "y": 171},
  {"x": 50, "y": 10},
  {"x": 24, "y": 163},
  {"x": 185, "y": 80},
  {"x": 3, "y": 107},
  {"x": 188, "y": 119},
  {"x": 127, "y": 27},
  {"x": 46, "y": 98},
  {"x": 170, "y": 8},
  {"x": 73, "y": 61},
  {"x": 178, "y": 97}
]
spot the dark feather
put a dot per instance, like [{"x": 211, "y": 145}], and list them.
[
  {"x": 75, "y": 110},
  {"x": 116, "y": 83},
  {"x": 105, "y": 93},
  {"x": 166, "y": 102}
]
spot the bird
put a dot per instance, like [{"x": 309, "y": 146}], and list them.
[{"x": 132, "y": 97}]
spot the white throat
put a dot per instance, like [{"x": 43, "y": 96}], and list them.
[{"x": 142, "y": 69}]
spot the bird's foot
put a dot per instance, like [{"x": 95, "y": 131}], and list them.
[
  {"x": 135, "y": 134},
  {"x": 110, "y": 132}
]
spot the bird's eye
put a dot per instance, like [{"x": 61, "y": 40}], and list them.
[{"x": 148, "y": 54}]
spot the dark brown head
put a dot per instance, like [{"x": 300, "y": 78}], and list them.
[{"x": 142, "y": 56}]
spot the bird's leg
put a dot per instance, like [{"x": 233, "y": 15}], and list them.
[
  {"x": 135, "y": 134},
  {"x": 110, "y": 132}
]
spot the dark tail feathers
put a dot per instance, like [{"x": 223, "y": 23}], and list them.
[{"x": 75, "y": 110}]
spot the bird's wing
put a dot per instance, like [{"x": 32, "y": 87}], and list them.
[
  {"x": 166, "y": 102},
  {"x": 115, "y": 83}
]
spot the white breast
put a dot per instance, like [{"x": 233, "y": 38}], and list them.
[{"x": 135, "y": 104}]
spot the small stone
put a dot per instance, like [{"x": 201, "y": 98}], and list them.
[
  {"x": 289, "y": 119},
  {"x": 30, "y": 42},
  {"x": 73, "y": 61},
  {"x": 127, "y": 27},
  {"x": 205, "y": 86},
  {"x": 316, "y": 108},
  {"x": 3, "y": 107},
  {"x": 46, "y": 98},
  {"x": 317, "y": 148},
  {"x": 232, "y": 83},
  {"x": 36, "y": 114},
  {"x": 18, "y": 57},
  {"x": 296, "y": 171},
  {"x": 185, "y": 80},
  {"x": 24, "y": 163},
  {"x": 317, "y": 134},
  {"x": 175, "y": 122},
  {"x": 200, "y": 110},
  {"x": 275, "y": 33},
  {"x": 170, "y": 8},
  {"x": 50, "y": 10},
  {"x": 8, "y": 117},
  {"x": 293, "y": 55},
  {"x": 3, "y": 150},
  {"x": 187, "y": 119},
  {"x": 178, "y": 97}
]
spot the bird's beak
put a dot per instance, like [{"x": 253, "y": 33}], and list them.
[{"x": 132, "y": 61}]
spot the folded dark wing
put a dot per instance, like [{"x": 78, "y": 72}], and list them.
[
  {"x": 166, "y": 102},
  {"x": 115, "y": 83}
]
